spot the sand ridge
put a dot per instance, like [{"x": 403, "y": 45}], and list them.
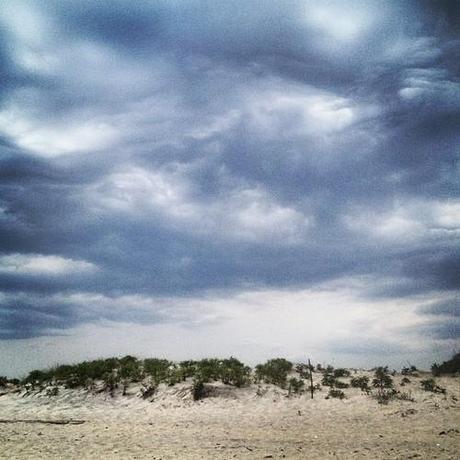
[{"x": 258, "y": 422}]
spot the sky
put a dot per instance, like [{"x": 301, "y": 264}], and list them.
[{"x": 185, "y": 179}]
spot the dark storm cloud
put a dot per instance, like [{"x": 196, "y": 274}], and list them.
[
  {"x": 449, "y": 308},
  {"x": 442, "y": 330},
  {"x": 181, "y": 147},
  {"x": 365, "y": 347}
]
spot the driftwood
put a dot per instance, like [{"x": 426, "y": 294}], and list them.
[{"x": 52, "y": 422}]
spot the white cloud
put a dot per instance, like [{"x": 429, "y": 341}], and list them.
[
  {"x": 51, "y": 139},
  {"x": 37, "y": 264},
  {"x": 248, "y": 214},
  {"x": 430, "y": 85},
  {"x": 407, "y": 222},
  {"x": 411, "y": 51},
  {"x": 290, "y": 110},
  {"x": 338, "y": 22}
]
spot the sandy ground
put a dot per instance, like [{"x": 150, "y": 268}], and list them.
[{"x": 233, "y": 423}]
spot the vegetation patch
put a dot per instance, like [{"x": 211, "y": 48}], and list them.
[
  {"x": 296, "y": 386},
  {"x": 333, "y": 393},
  {"x": 361, "y": 382},
  {"x": 451, "y": 366},
  {"x": 430, "y": 385},
  {"x": 274, "y": 371}
]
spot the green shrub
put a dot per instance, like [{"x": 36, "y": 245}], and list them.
[
  {"x": 174, "y": 375},
  {"x": 383, "y": 382},
  {"x": 382, "y": 379},
  {"x": 361, "y": 382},
  {"x": 38, "y": 377},
  {"x": 329, "y": 379},
  {"x": 130, "y": 369},
  {"x": 111, "y": 381},
  {"x": 157, "y": 369},
  {"x": 207, "y": 370},
  {"x": 304, "y": 370},
  {"x": 409, "y": 370},
  {"x": 404, "y": 381},
  {"x": 447, "y": 367},
  {"x": 385, "y": 395},
  {"x": 341, "y": 373},
  {"x": 124, "y": 385},
  {"x": 63, "y": 372},
  {"x": 234, "y": 372},
  {"x": 148, "y": 390},
  {"x": 296, "y": 386},
  {"x": 3, "y": 381},
  {"x": 74, "y": 381},
  {"x": 97, "y": 369},
  {"x": 52, "y": 391},
  {"x": 430, "y": 385},
  {"x": 405, "y": 396},
  {"x": 188, "y": 368},
  {"x": 340, "y": 384},
  {"x": 333, "y": 393},
  {"x": 198, "y": 390},
  {"x": 274, "y": 371}
]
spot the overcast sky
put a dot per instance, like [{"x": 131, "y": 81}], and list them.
[{"x": 247, "y": 178}]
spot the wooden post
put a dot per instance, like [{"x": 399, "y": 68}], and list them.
[{"x": 311, "y": 377}]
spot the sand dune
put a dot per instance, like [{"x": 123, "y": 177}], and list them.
[{"x": 257, "y": 422}]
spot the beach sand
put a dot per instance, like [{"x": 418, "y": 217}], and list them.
[{"x": 256, "y": 422}]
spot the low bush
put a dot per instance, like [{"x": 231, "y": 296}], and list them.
[
  {"x": 157, "y": 369},
  {"x": 430, "y": 385},
  {"x": 340, "y": 384},
  {"x": 198, "y": 390},
  {"x": 389, "y": 394},
  {"x": 361, "y": 382},
  {"x": 52, "y": 391},
  {"x": 274, "y": 371},
  {"x": 125, "y": 385},
  {"x": 74, "y": 381},
  {"x": 333, "y": 393},
  {"x": 404, "y": 381},
  {"x": 329, "y": 379},
  {"x": 383, "y": 382},
  {"x": 111, "y": 381},
  {"x": 382, "y": 379},
  {"x": 341, "y": 373},
  {"x": 188, "y": 368},
  {"x": 37, "y": 377},
  {"x": 130, "y": 369},
  {"x": 148, "y": 390},
  {"x": 207, "y": 370},
  {"x": 405, "y": 396},
  {"x": 175, "y": 375},
  {"x": 296, "y": 386},
  {"x": 304, "y": 370},
  {"x": 234, "y": 372},
  {"x": 447, "y": 367},
  {"x": 411, "y": 370},
  {"x": 385, "y": 395},
  {"x": 3, "y": 381}
]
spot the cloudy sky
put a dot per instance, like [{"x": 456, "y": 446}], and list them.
[{"x": 248, "y": 178}]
